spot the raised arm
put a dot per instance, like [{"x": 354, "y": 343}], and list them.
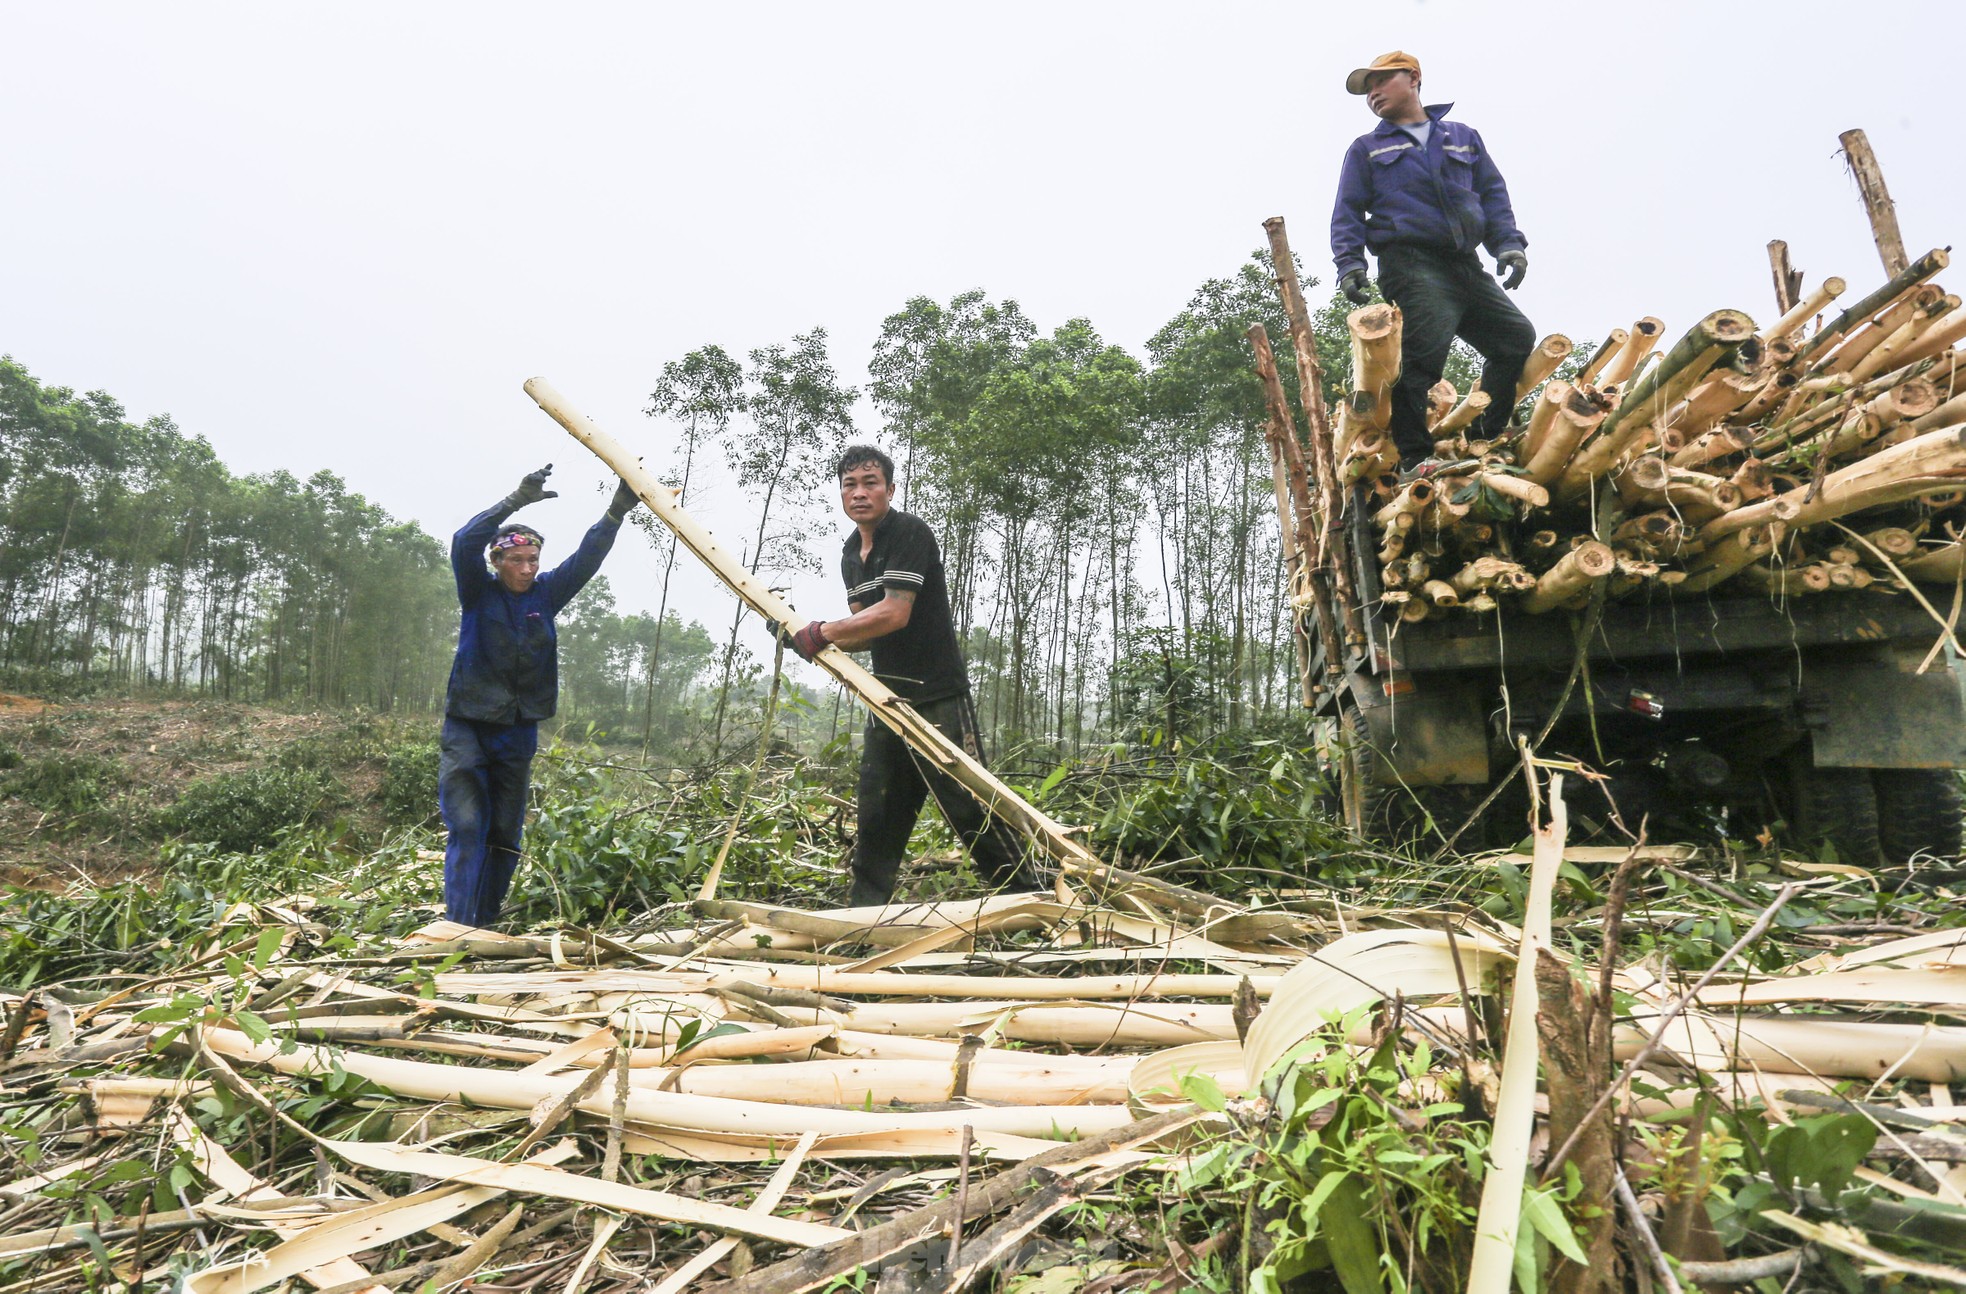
[{"x": 468, "y": 544}]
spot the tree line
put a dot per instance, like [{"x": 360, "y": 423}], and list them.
[{"x": 1107, "y": 519}]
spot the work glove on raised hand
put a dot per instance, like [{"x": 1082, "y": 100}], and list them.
[
  {"x": 1511, "y": 266},
  {"x": 623, "y": 503},
  {"x": 532, "y": 489},
  {"x": 807, "y": 642},
  {"x": 1352, "y": 284}
]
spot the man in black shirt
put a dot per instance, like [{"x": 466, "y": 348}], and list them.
[{"x": 900, "y": 601}]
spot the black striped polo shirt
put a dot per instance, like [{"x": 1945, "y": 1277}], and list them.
[{"x": 921, "y": 661}]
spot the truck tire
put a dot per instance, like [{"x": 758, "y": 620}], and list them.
[
  {"x": 1836, "y": 805},
  {"x": 1918, "y": 813},
  {"x": 1395, "y": 814}
]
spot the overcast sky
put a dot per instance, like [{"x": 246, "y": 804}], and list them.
[{"x": 341, "y": 236}]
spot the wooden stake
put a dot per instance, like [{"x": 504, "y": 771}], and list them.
[
  {"x": 1333, "y": 553},
  {"x": 1788, "y": 280},
  {"x": 1294, "y": 517},
  {"x": 1878, "y": 206}
]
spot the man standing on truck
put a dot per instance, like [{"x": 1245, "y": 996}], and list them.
[
  {"x": 900, "y": 601},
  {"x": 1422, "y": 193},
  {"x": 505, "y": 679}
]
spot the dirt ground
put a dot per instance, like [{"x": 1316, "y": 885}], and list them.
[{"x": 144, "y": 753}]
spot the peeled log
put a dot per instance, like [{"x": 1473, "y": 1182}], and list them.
[
  {"x": 1858, "y": 346},
  {"x": 1894, "y": 352},
  {"x": 1695, "y": 496},
  {"x": 1712, "y": 400},
  {"x": 1573, "y": 574},
  {"x": 1714, "y": 339},
  {"x": 1935, "y": 340},
  {"x": 1893, "y": 541},
  {"x": 1549, "y": 352},
  {"x": 1483, "y": 573},
  {"x": 1602, "y": 356},
  {"x": 1847, "y": 577},
  {"x": 1910, "y": 399},
  {"x": 1805, "y": 309},
  {"x": 1375, "y": 358},
  {"x": 1573, "y": 415},
  {"x": 1722, "y": 443},
  {"x": 1725, "y": 559},
  {"x": 1813, "y": 578},
  {"x": 1441, "y": 399},
  {"x": 1472, "y": 406},
  {"x": 1542, "y": 415},
  {"x": 1949, "y": 414},
  {"x": 1643, "y": 337},
  {"x": 1657, "y": 530},
  {"x": 1440, "y": 593},
  {"x": 1519, "y": 488},
  {"x": 1936, "y": 565},
  {"x": 1916, "y": 273},
  {"x": 1413, "y": 500},
  {"x": 1753, "y": 479},
  {"x": 1928, "y": 464}
]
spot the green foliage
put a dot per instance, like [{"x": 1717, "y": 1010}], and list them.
[
  {"x": 409, "y": 783},
  {"x": 239, "y": 812},
  {"x": 1334, "y": 1178},
  {"x": 152, "y": 922},
  {"x": 1241, "y": 806},
  {"x": 63, "y": 784}
]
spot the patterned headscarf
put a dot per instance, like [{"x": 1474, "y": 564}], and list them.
[{"x": 512, "y": 539}]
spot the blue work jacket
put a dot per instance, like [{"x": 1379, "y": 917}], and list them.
[
  {"x": 507, "y": 668},
  {"x": 1448, "y": 194}
]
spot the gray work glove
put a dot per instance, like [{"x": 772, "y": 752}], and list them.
[
  {"x": 623, "y": 503},
  {"x": 1511, "y": 266},
  {"x": 532, "y": 489},
  {"x": 1352, "y": 284}
]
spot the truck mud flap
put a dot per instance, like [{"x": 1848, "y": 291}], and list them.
[
  {"x": 1431, "y": 733},
  {"x": 1876, "y": 712}
]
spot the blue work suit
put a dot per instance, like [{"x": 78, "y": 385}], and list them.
[
  {"x": 504, "y": 680},
  {"x": 1423, "y": 210}
]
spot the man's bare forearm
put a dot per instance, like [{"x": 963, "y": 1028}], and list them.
[{"x": 860, "y": 629}]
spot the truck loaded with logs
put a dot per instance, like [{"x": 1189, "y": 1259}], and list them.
[{"x": 1724, "y": 572}]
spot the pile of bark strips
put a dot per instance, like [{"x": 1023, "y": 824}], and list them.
[
  {"x": 1823, "y": 452},
  {"x": 767, "y": 1099}
]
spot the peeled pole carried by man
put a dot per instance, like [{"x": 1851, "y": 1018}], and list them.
[
  {"x": 1422, "y": 193},
  {"x": 504, "y": 680}
]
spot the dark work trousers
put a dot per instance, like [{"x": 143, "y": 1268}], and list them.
[
  {"x": 483, "y": 770},
  {"x": 893, "y": 785},
  {"x": 1443, "y": 294}
]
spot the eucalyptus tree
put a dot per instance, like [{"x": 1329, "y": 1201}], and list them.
[
  {"x": 1216, "y": 506},
  {"x": 701, "y": 393},
  {"x": 800, "y": 420},
  {"x": 931, "y": 366}
]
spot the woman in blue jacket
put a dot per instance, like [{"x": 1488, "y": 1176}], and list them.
[{"x": 505, "y": 679}]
